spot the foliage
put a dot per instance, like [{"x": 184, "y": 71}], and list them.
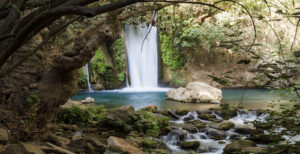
[
  {"x": 83, "y": 76},
  {"x": 171, "y": 57},
  {"x": 77, "y": 115},
  {"x": 121, "y": 76},
  {"x": 98, "y": 63},
  {"x": 176, "y": 80},
  {"x": 120, "y": 49}
]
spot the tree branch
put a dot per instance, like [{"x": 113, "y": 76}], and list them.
[
  {"x": 4, "y": 37},
  {"x": 37, "y": 24}
]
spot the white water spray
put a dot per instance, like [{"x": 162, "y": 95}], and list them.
[
  {"x": 142, "y": 61},
  {"x": 88, "y": 78}
]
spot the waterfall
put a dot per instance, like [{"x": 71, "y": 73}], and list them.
[
  {"x": 88, "y": 78},
  {"x": 142, "y": 61}
]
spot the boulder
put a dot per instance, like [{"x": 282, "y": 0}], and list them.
[
  {"x": 88, "y": 100},
  {"x": 186, "y": 126},
  {"x": 120, "y": 145},
  {"x": 3, "y": 136},
  {"x": 182, "y": 112},
  {"x": 217, "y": 134},
  {"x": 198, "y": 124},
  {"x": 266, "y": 138},
  {"x": 194, "y": 145},
  {"x": 123, "y": 113},
  {"x": 226, "y": 125},
  {"x": 180, "y": 133},
  {"x": 80, "y": 103},
  {"x": 206, "y": 116},
  {"x": 86, "y": 145},
  {"x": 196, "y": 92},
  {"x": 237, "y": 146}
]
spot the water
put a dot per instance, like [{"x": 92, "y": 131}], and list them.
[
  {"x": 207, "y": 144},
  {"x": 88, "y": 78},
  {"x": 253, "y": 99},
  {"x": 142, "y": 62}
]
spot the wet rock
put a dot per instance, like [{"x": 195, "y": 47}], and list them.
[
  {"x": 186, "y": 126},
  {"x": 194, "y": 145},
  {"x": 237, "y": 146},
  {"x": 3, "y": 136},
  {"x": 196, "y": 92},
  {"x": 188, "y": 118},
  {"x": 226, "y": 114},
  {"x": 254, "y": 150},
  {"x": 248, "y": 131},
  {"x": 226, "y": 125},
  {"x": 182, "y": 112},
  {"x": 198, "y": 124},
  {"x": 206, "y": 116},
  {"x": 116, "y": 144},
  {"x": 216, "y": 134},
  {"x": 180, "y": 133},
  {"x": 266, "y": 138}
]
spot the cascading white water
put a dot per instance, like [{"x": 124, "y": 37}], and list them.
[
  {"x": 142, "y": 61},
  {"x": 88, "y": 78}
]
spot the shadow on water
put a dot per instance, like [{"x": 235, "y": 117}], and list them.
[{"x": 253, "y": 99}]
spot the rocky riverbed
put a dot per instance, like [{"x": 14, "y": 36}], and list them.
[{"x": 83, "y": 127}]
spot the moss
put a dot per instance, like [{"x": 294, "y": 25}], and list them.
[
  {"x": 191, "y": 145},
  {"x": 82, "y": 83},
  {"x": 77, "y": 115},
  {"x": 98, "y": 63},
  {"x": 120, "y": 50},
  {"x": 149, "y": 124},
  {"x": 148, "y": 142},
  {"x": 182, "y": 112}
]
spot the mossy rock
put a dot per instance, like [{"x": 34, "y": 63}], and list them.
[
  {"x": 190, "y": 145},
  {"x": 182, "y": 112},
  {"x": 266, "y": 138},
  {"x": 237, "y": 146},
  {"x": 207, "y": 116},
  {"x": 226, "y": 125}
]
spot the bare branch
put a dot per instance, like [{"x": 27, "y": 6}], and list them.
[
  {"x": 4, "y": 37},
  {"x": 252, "y": 20}
]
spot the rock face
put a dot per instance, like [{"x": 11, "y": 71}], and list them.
[
  {"x": 196, "y": 92},
  {"x": 116, "y": 144}
]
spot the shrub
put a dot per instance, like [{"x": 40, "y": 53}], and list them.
[{"x": 98, "y": 63}]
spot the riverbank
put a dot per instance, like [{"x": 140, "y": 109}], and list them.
[{"x": 89, "y": 128}]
